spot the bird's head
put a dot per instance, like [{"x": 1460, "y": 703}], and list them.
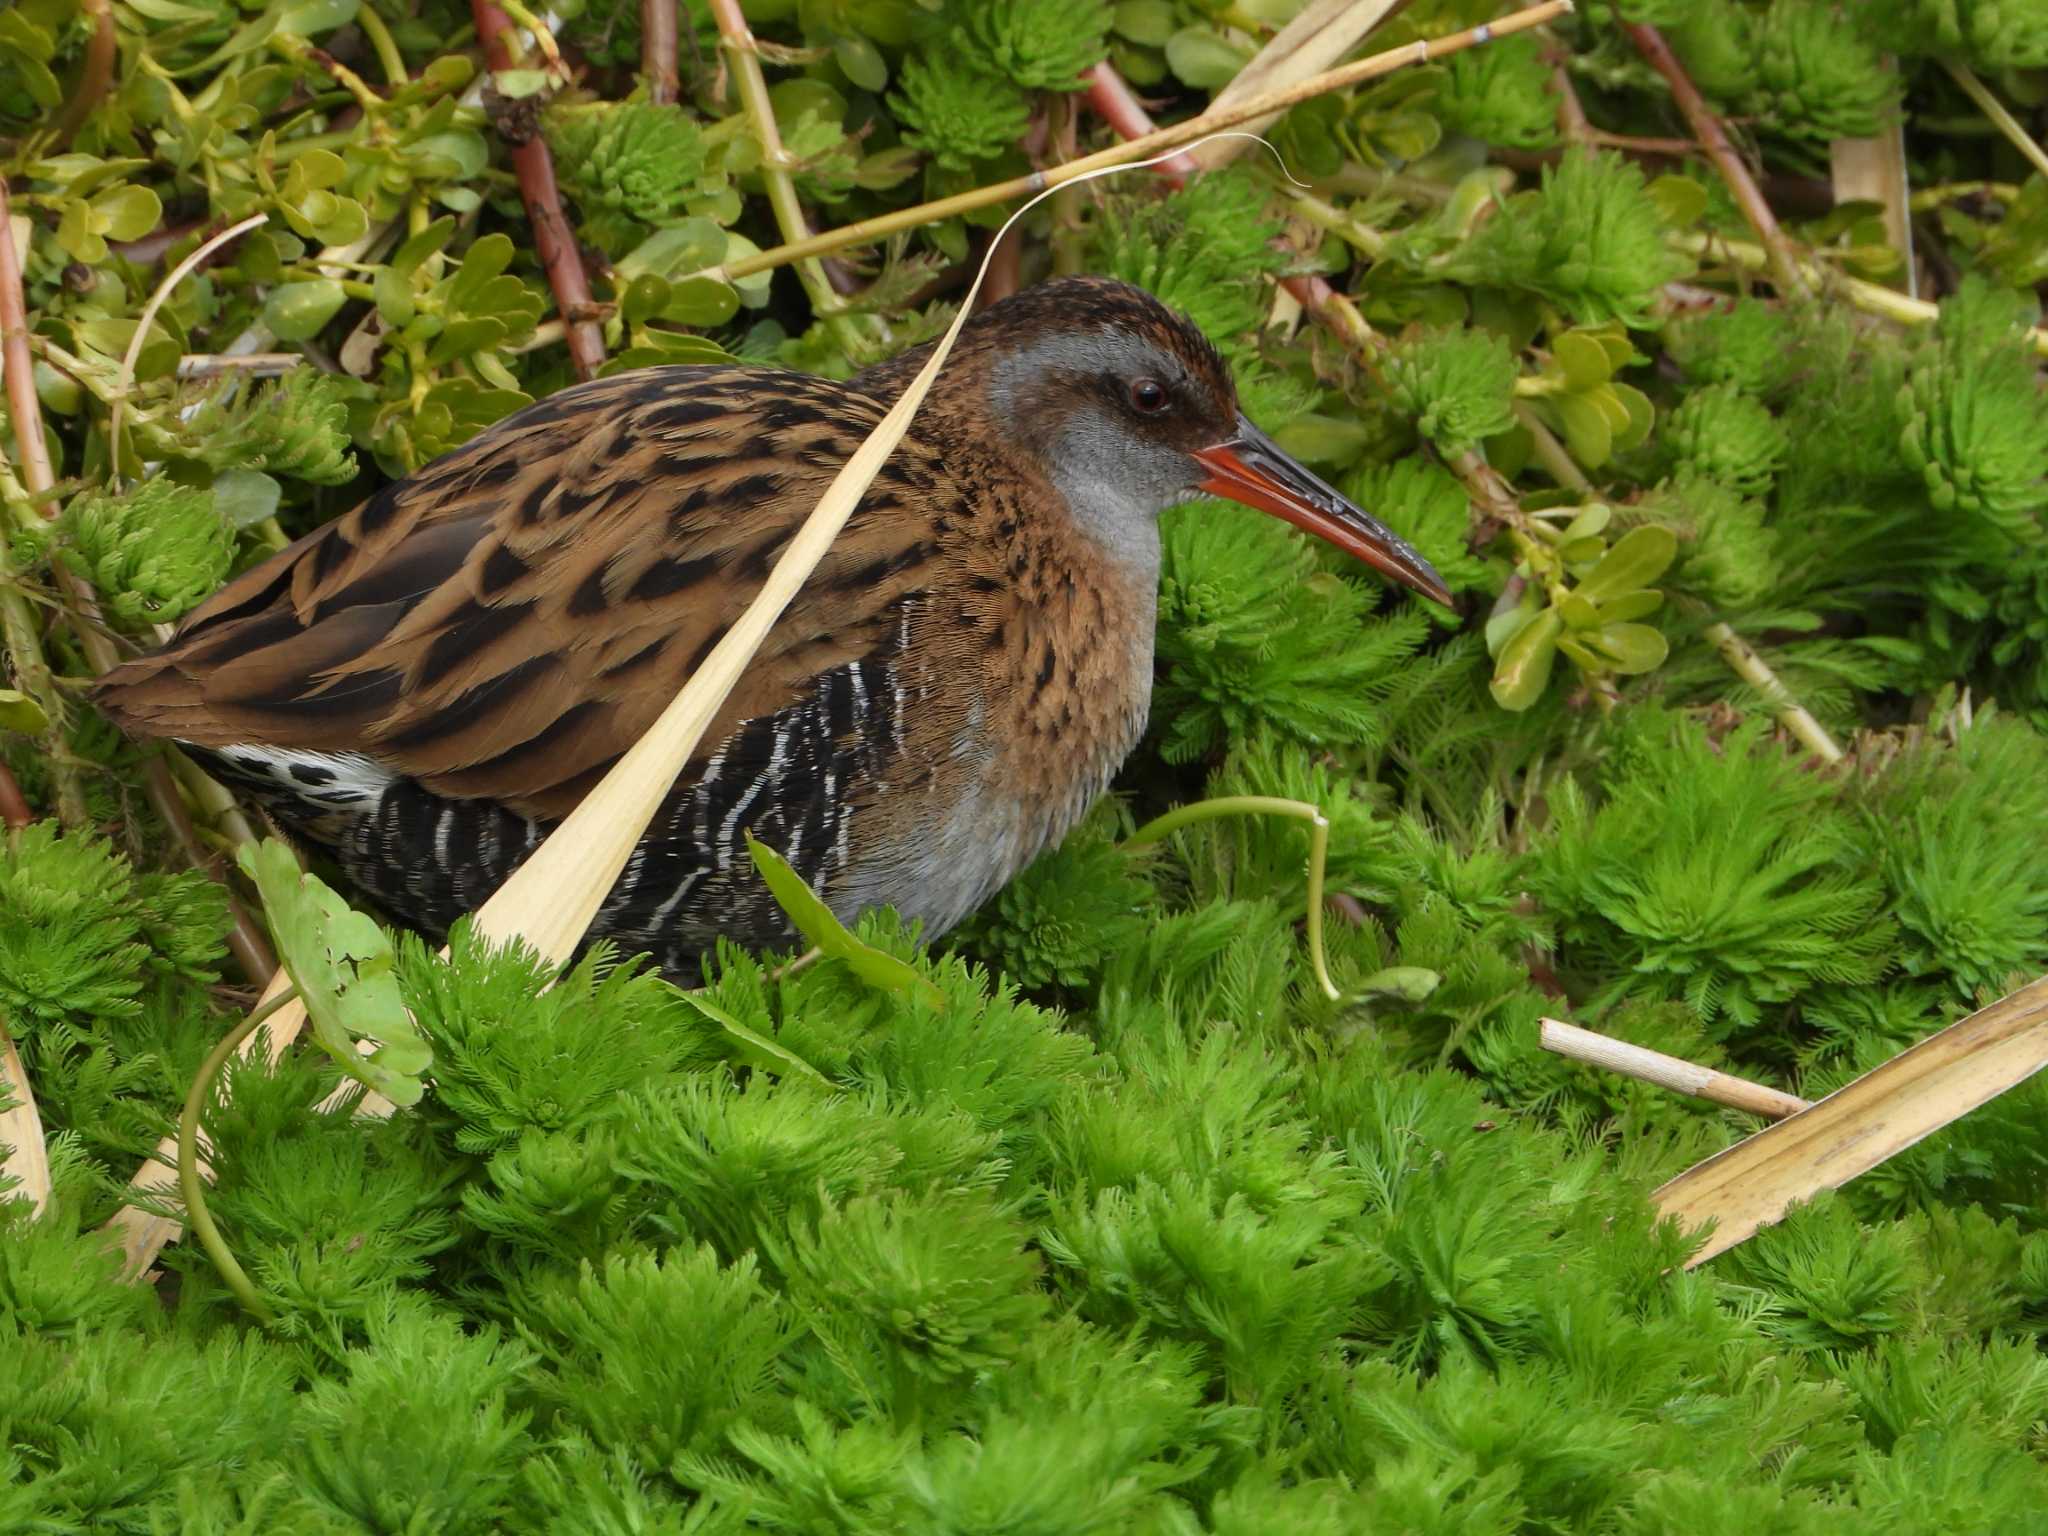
[{"x": 1129, "y": 410}]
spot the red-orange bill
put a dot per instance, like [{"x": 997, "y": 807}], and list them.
[{"x": 1253, "y": 469}]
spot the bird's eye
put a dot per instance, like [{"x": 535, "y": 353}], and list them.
[{"x": 1148, "y": 396}]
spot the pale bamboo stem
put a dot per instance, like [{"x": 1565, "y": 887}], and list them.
[
  {"x": 1874, "y": 298},
  {"x": 1645, "y": 1065},
  {"x": 737, "y": 39},
  {"x": 1787, "y": 710}
]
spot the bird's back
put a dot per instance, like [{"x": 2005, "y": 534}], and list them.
[{"x": 427, "y": 683}]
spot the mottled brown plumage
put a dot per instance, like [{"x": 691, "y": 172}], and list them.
[{"x": 427, "y": 683}]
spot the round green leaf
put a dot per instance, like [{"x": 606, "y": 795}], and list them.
[
  {"x": 1505, "y": 625},
  {"x": 465, "y": 152},
  {"x": 1582, "y": 359},
  {"x": 59, "y": 392},
  {"x": 1204, "y": 58},
  {"x": 1639, "y": 558},
  {"x": 1150, "y": 22},
  {"x": 1641, "y": 417},
  {"x": 298, "y": 311},
  {"x": 1590, "y": 523},
  {"x": 1586, "y": 430},
  {"x": 517, "y": 84},
  {"x": 1681, "y": 200},
  {"x": 127, "y": 213},
  {"x": 245, "y": 497},
  {"x": 861, "y": 62},
  {"x": 701, "y": 301},
  {"x": 1578, "y": 612},
  {"x": 20, "y": 713},
  {"x": 1578, "y": 552},
  {"x": 76, "y": 236},
  {"x": 643, "y": 298}
]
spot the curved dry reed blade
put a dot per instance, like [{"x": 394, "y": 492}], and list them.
[{"x": 1853, "y": 1129}]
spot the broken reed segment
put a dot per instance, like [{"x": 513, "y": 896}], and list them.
[
  {"x": 1753, "y": 1183},
  {"x": 24, "y": 1156},
  {"x": 867, "y": 231},
  {"x": 1680, "y": 1076}
]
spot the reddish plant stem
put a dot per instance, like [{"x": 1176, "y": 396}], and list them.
[
  {"x": 658, "y": 51},
  {"x": 94, "y": 78},
  {"x": 1005, "y": 263},
  {"x": 1118, "y": 105},
  {"x": 1572, "y": 123},
  {"x": 1714, "y": 143},
  {"x": 14, "y": 808},
  {"x": 553, "y": 240}
]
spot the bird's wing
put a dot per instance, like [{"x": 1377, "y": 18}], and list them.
[{"x": 504, "y": 623}]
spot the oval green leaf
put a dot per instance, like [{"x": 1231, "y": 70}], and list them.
[
  {"x": 1525, "y": 662},
  {"x": 1631, "y": 605},
  {"x": 1586, "y": 430},
  {"x": 299, "y": 311},
  {"x": 1637, "y": 559},
  {"x": 1631, "y": 648}
]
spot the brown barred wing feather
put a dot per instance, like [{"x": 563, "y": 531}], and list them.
[{"x": 503, "y": 624}]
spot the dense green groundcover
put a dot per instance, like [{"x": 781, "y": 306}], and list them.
[{"x": 1134, "y": 1231}]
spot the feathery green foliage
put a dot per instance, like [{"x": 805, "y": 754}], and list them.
[
  {"x": 1589, "y": 241},
  {"x": 1457, "y": 385},
  {"x": 1986, "y": 34},
  {"x": 1204, "y": 249},
  {"x": 1712, "y": 870},
  {"x": 1501, "y": 94},
  {"x": 297, "y": 428},
  {"x": 1042, "y": 45},
  {"x": 1721, "y": 434},
  {"x": 956, "y": 109},
  {"x": 1817, "y": 78},
  {"x": 1974, "y": 420},
  {"x": 632, "y": 166},
  {"x": 153, "y": 553}
]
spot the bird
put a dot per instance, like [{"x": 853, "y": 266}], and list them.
[{"x": 423, "y": 687}]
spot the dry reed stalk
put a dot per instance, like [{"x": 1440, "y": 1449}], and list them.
[
  {"x": 1753, "y": 1183},
  {"x": 21, "y": 1132},
  {"x": 1321, "y": 34},
  {"x": 1673, "y": 1072},
  {"x": 1874, "y": 170}
]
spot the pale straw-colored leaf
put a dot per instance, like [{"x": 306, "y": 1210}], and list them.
[
  {"x": 27, "y": 1163},
  {"x": 1753, "y": 1183},
  {"x": 1311, "y": 43}
]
